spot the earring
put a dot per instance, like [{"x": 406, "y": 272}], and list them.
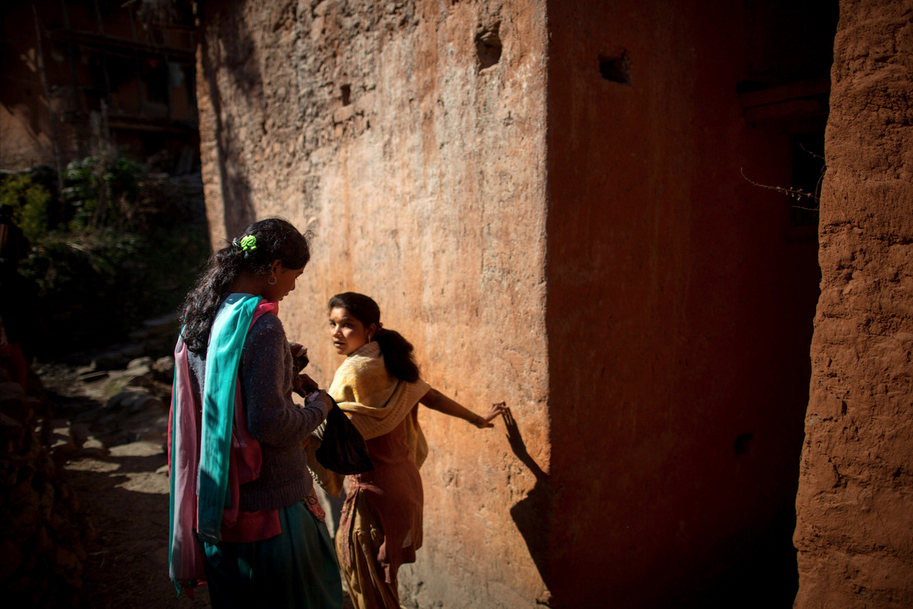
[
  {"x": 272, "y": 280},
  {"x": 369, "y": 338}
]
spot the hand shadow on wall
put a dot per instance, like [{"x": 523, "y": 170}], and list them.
[{"x": 531, "y": 514}]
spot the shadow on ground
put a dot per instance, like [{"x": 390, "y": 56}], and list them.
[{"x": 123, "y": 488}]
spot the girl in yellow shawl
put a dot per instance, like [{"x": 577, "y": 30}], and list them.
[{"x": 379, "y": 387}]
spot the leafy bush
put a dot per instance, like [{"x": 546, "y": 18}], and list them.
[
  {"x": 117, "y": 252},
  {"x": 99, "y": 285},
  {"x": 30, "y": 202},
  {"x": 82, "y": 286},
  {"x": 104, "y": 191}
]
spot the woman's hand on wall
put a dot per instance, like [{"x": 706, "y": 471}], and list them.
[
  {"x": 485, "y": 420},
  {"x": 436, "y": 400}
]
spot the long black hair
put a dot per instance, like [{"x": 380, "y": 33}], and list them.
[
  {"x": 276, "y": 239},
  {"x": 397, "y": 351}
]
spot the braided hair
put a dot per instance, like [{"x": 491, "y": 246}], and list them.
[
  {"x": 254, "y": 252},
  {"x": 397, "y": 351}
]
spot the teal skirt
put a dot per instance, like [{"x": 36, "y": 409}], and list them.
[{"x": 297, "y": 568}]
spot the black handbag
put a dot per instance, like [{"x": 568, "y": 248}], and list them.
[{"x": 342, "y": 449}]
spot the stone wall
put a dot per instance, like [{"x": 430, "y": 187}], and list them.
[
  {"x": 854, "y": 514},
  {"x": 409, "y": 137}
]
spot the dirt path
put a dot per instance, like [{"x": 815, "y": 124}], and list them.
[
  {"x": 122, "y": 484},
  {"x": 123, "y": 489},
  {"x": 126, "y": 496}
]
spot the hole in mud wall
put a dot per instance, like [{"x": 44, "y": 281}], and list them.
[
  {"x": 742, "y": 444},
  {"x": 488, "y": 46},
  {"x": 346, "y": 91},
  {"x": 617, "y": 69}
]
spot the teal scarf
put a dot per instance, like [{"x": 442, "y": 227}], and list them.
[
  {"x": 200, "y": 445},
  {"x": 229, "y": 331}
]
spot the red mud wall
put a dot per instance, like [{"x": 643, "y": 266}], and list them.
[
  {"x": 854, "y": 502},
  {"x": 420, "y": 171},
  {"x": 679, "y": 315}
]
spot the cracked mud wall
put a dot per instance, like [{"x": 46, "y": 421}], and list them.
[
  {"x": 409, "y": 137},
  {"x": 854, "y": 516}
]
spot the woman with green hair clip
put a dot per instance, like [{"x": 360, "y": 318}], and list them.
[{"x": 244, "y": 517}]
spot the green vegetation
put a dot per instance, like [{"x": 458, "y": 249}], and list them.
[
  {"x": 103, "y": 192},
  {"x": 117, "y": 247},
  {"x": 30, "y": 202}
]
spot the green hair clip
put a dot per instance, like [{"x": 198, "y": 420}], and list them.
[{"x": 248, "y": 243}]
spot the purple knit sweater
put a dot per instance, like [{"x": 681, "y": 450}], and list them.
[{"x": 267, "y": 377}]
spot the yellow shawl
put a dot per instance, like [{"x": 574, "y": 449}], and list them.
[{"x": 376, "y": 403}]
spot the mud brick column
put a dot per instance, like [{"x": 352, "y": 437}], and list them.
[{"x": 854, "y": 507}]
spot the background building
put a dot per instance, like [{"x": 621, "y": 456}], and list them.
[{"x": 74, "y": 71}]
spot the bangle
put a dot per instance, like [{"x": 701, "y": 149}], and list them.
[{"x": 475, "y": 420}]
